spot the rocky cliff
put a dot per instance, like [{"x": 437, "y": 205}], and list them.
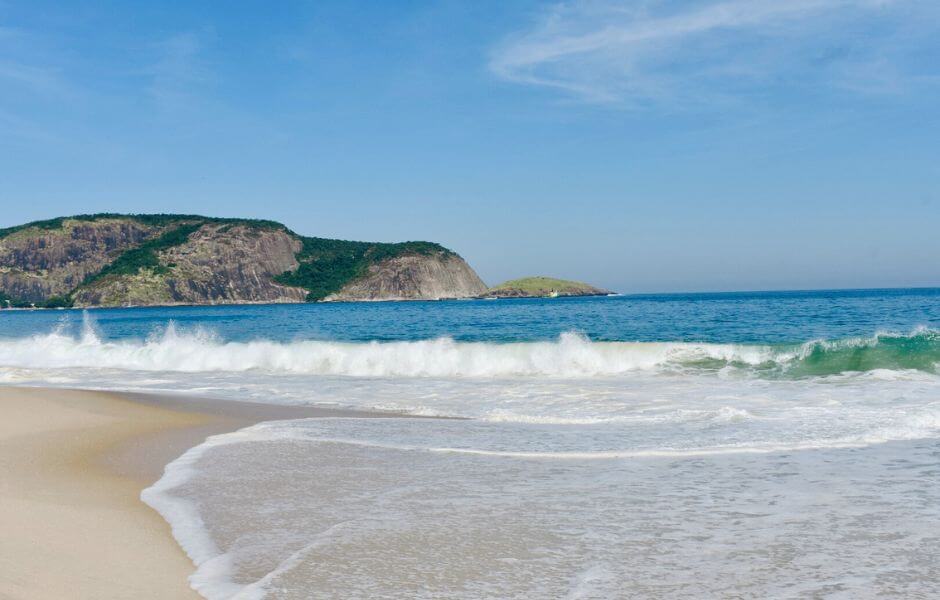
[
  {"x": 41, "y": 262},
  {"x": 120, "y": 260},
  {"x": 414, "y": 276}
]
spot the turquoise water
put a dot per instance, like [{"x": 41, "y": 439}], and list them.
[{"x": 781, "y": 445}]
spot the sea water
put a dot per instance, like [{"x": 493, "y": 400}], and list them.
[{"x": 781, "y": 445}]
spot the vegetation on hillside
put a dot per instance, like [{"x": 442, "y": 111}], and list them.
[
  {"x": 327, "y": 265},
  {"x": 8, "y": 302},
  {"x": 145, "y": 255},
  {"x": 53, "y": 302},
  {"x": 153, "y": 220}
]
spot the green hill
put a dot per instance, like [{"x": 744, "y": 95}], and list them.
[
  {"x": 543, "y": 287},
  {"x": 117, "y": 260}
]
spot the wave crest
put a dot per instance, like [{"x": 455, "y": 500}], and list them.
[{"x": 569, "y": 356}]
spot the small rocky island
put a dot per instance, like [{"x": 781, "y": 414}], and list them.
[{"x": 543, "y": 287}]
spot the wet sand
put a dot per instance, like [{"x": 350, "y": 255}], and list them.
[{"x": 72, "y": 466}]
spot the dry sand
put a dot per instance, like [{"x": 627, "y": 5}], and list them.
[{"x": 72, "y": 465}]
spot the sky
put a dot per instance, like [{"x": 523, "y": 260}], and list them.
[{"x": 640, "y": 145}]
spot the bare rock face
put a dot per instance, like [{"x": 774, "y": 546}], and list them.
[
  {"x": 233, "y": 264},
  {"x": 219, "y": 264},
  {"x": 414, "y": 277},
  {"x": 37, "y": 263}
]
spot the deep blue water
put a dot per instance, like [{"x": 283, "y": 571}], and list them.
[{"x": 745, "y": 317}]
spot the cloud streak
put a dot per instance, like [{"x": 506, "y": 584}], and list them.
[
  {"x": 27, "y": 66},
  {"x": 662, "y": 52},
  {"x": 178, "y": 73}
]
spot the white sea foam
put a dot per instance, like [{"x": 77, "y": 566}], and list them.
[
  {"x": 384, "y": 489},
  {"x": 571, "y": 355},
  {"x": 491, "y": 439},
  {"x": 214, "y": 572}
]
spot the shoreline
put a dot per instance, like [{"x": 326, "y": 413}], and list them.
[
  {"x": 240, "y": 303},
  {"x": 72, "y": 466},
  {"x": 634, "y": 295}
]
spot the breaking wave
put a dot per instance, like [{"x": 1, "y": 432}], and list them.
[{"x": 571, "y": 355}]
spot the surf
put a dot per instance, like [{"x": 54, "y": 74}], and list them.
[{"x": 169, "y": 348}]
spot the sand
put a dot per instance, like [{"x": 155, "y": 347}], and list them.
[{"x": 72, "y": 466}]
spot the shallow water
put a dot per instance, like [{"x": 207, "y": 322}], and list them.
[
  {"x": 687, "y": 446},
  {"x": 292, "y": 512}
]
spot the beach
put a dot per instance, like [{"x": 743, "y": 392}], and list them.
[
  {"x": 74, "y": 525},
  {"x": 581, "y": 448},
  {"x": 72, "y": 466}
]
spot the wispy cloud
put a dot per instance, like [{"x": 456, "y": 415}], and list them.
[
  {"x": 36, "y": 79},
  {"x": 678, "y": 53},
  {"x": 178, "y": 72},
  {"x": 27, "y": 65}
]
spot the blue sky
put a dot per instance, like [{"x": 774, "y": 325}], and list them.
[{"x": 648, "y": 145}]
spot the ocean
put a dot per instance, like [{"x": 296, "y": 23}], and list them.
[{"x": 772, "y": 445}]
